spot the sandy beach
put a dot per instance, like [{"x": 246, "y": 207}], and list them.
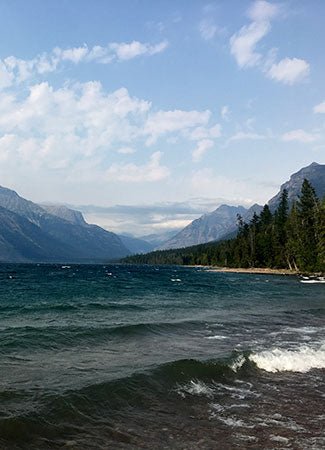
[{"x": 254, "y": 270}]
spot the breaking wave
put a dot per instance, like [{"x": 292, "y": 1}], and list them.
[{"x": 302, "y": 359}]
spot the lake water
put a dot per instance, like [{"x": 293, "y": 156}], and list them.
[{"x": 130, "y": 357}]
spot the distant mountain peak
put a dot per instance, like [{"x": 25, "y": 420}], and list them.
[
  {"x": 29, "y": 232},
  {"x": 65, "y": 213},
  {"x": 209, "y": 227},
  {"x": 314, "y": 173}
]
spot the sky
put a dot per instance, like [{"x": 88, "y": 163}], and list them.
[{"x": 146, "y": 114}]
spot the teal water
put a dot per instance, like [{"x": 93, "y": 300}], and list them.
[{"x": 159, "y": 357}]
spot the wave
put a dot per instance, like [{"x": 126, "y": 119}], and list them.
[
  {"x": 302, "y": 359},
  {"x": 72, "y": 306},
  {"x": 101, "y": 401},
  {"x": 58, "y": 336}
]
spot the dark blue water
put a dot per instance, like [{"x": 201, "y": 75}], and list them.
[{"x": 159, "y": 357}]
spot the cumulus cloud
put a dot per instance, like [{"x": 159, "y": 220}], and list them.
[
  {"x": 162, "y": 122},
  {"x": 202, "y": 147},
  {"x": 81, "y": 130},
  {"x": 6, "y": 76},
  {"x": 289, "y": 70},
  {"x": 152, "y": 171},
  {"x": 20, "y": 70},
  {"x": 299, "y": 136},
  {"x": 244, "y": 47},
  {"x": 55, "y": 128},
  {"x": 320, "y": 108}
]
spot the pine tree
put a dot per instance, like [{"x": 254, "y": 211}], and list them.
[
  {"x": 280, "y": 231},
  {"x": 308, "y": 207},
  {"x": 320, "y": 225},
  {"x": 293, "y": 245}
]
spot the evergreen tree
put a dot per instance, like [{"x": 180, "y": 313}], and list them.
[
  {"x": 294, "y": 239},
  {"x": 308, "y": 208},
  {"x": 293, "y": 245},
  {"x": 321, "y": 236},
  {"x": 280, "y": 231}
]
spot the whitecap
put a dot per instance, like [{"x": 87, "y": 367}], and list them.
[
  {"x": 280, "y": 439},
  {"x": 238, "y": 363},
  {"x": 217, "y": 337},
  {"x": 234, "y": 422},
  {"x": 302, "y": 359},
  {"x": 196, "y": 387}
]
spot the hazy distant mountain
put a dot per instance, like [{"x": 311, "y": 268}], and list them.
[
  {"x": 209, "y": 227},
  {"x": 158, "y": 239},
  {"x": 315, "y": 174},
  {"x": 70, "y": 215},
  {"x": 28, "y": 232},
  {"x": 135, "y": 245},
  {"x": 221, "y": 223}
]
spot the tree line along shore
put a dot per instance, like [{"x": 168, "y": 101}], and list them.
[{"x": 292, "y": 238}]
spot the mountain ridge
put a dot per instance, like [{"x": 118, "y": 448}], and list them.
[
  {"x": 314, "y": 173},
  {"x": 54, "y": 238}
]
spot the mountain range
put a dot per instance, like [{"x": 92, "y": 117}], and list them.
[
  {"x": 30, "y": 232},
  {"x": 221, "y": 223},
  {"x": 54, "y": 233},
  {"x": 211, "y": 226}
]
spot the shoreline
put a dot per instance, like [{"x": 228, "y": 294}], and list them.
[{"x": 252, "y": 270}]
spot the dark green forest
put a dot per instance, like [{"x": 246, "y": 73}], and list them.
[{"x": 291, "y": 237}]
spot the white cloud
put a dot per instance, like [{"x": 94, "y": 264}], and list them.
[
  {"x": 70, "y": 123},
  {"x": 75, "y": 55},
  {"x": 125, "y": 51},
  {"x": 243, "y": 46},
  {"x": 299, "y": 136},
  {"x": 243, "y": 43},
  {"x": 202, "y": 147},
  {"x": 320, "y": 108},
  {"x": 163, "y": 122},
  {"x": 81, "y": 131},
  {"x": 199, "y": 133},
  {"x": 6, "y": 77},
  {"x": 152, "y": 171},
  {"x": 262, "y": 10},
  {"x": 19, "y": 70},
  {"x": 289, "y": 70}
]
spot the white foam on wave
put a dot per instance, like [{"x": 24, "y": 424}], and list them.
[
  {"x": 237, "y": 363},
  {"x": 302, "y": 359},
  {"x": 217, "y": 337},
  {"x": 196, "y": 387},
  {"x": 280, "y": 439}
]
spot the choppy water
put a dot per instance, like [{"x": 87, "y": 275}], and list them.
[{"x": 126, "y": 357}]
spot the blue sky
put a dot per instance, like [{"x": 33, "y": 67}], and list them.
[{"x": 159, "y": 104}]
